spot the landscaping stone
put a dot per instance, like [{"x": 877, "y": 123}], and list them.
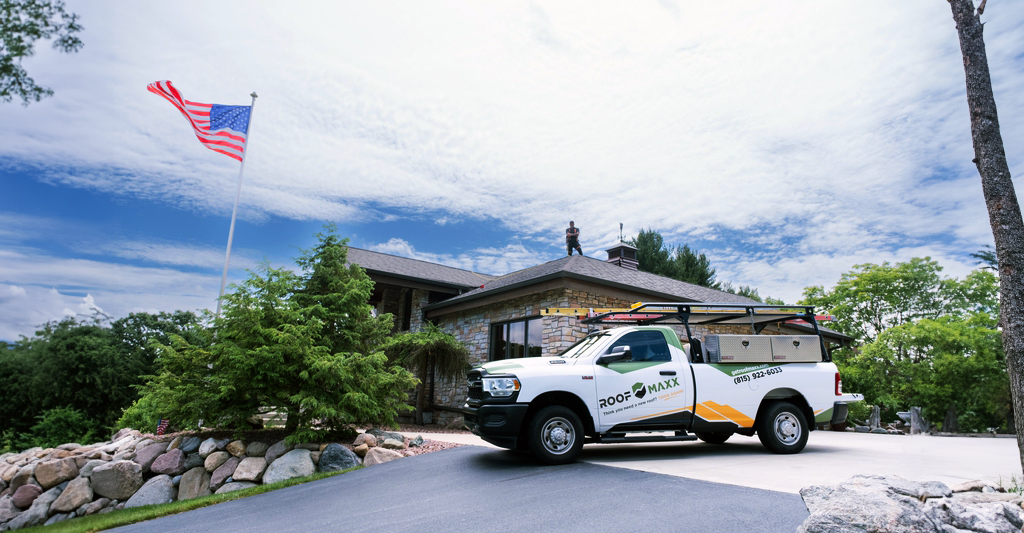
[
  {"x": 7, "y": 510},
  {"x": 384, "y": 435},
  {"x": 76, "y": 494},
  {"x": 417, "y": 442},
  {"x": 7, "y": 471},
  {"x": 175, "y": 443},
  {"x": 25, "y": 495},
  {"x": 392, "y": 444},
  {"x": 193, "y": 460},
  {"x": 194, "y": 483},
  {"x": 369, "y": 439},
  {"x": 191, "y": 445},
  {"x": 880, "y": 431},
  {"x": 157, "y": 490},
  {"x": 147, "y": 454},
  {"x": 214, "y": 460},
  {"x": 315, "y": 456},
  {"x": 361, "y": 450},
  {"x": 171, "y": 463},
  {"x": 58, "y": 518},
  {"x": 97, "y": 506},
  {"x": 250, "y": 469},
  {"x": 277, "y": 450},
  {"x": 376, "y": 456},
  {"x": 862, "y": 429},
  {"x": 117, "y": 480},
  {"x": 207, "y": 447},
  {"x": 295, "y": 463},
  {"x": 256, "y": 449},
  {"x": 238, "y": 485},
  {"x": 222, "y": 473},
  {"x": 23, "y": 477},
  {"x": 36, "y": 514},
  {"x": 337, "y": 457},
  {"x": 236, "y": 448},
  {"x": 86, "y": 470}
]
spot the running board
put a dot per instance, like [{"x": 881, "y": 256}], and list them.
[{"x": 622, "y": 438}]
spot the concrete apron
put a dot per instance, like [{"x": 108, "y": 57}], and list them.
[{"x": 829, "y": 458}]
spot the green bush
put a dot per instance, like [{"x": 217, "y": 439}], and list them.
[{"x": 143, "y": 414}]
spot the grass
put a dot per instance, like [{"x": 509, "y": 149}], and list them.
[
  {"x": 1014, "y": 487},
  {"x": 124, "y": 517}
]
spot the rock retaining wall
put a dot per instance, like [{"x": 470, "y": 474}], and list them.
[{"x": 46, "y": 486}]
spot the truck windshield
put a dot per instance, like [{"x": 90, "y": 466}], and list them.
[{"x": 583, "y": 346}]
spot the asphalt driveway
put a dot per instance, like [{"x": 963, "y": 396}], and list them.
[{"x": 475, "y": 488}]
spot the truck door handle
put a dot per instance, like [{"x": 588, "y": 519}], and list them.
[{"x": 668, "y": 372}]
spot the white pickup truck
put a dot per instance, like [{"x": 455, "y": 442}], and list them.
[{"x": 643, "y": 384}]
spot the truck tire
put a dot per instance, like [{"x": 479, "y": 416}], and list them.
[
  {"x": 714, "y": 437},
  {"x": 782, "y": 428},
  {"x": 556, "y": 435}
]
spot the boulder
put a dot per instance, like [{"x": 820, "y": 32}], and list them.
[
  {"x": 361, "y": 450},
  {"x": 121, "y": 433},
  {"x": 116, "y": 480},
  {"x": 277, "y": 450},
  {"x": 126, "y": 455},
  {"x": 256, "y": 449},
  {"x": 236, "y": 448},
  {"x": 976, "y": 485},
  {"x": 7, "y": 510},
  {"x": 880, "y": 431},
  {"x": 7, "y": 471},
  {"x": 295, "y": 463},
  {"x": 376, "y": 456},
  {"x": 873, "y": 503},
  {"x": 23, "y": 477},
  {"x": 80, "y": 461},
  {"x": 97, "y": 506},
  {"x": 214, "y": 460},
  {"x": 315, "y": 456},
  {"x": 60, "y": 517},
  {"x": 36, "y": 514},
  {"x": 171, "y": 463},
  {"x": 147, "y": 454},
  {"x": 175, "y": 443},
  {"x": 207, "y": 447},
  {"x": 25, "y": 495},
  {"x": 250, "y": 469},
  {"x": 368, "y": 439},
  {"x": 190, "y": 445},
  {"x": 392, "y": 444},
  {"x": 194, "y": 483},
  {"x": 86, "y": 470},
  {"x": 383, "y": 435},
  {"x": 862, "y": 429},
  {"x": 238, "y": 485},
  {"x": 417, "y": 442},
  {"x": 76, "y": 494},
  {"x": 223, "y": 472},
  {"x": 337, "y": 457},
  {"x": 193, "y": 460},
  {"x": 53, "y": 473}
]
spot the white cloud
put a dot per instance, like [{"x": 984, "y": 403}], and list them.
[{"x": 496, "y": 261}]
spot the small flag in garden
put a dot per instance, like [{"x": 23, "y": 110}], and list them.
[
  {"x": 221, "y": 128},
  {"x": 161, "y": 426}
]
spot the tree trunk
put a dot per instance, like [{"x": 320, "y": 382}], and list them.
[{"x": 1003, "y": 210}]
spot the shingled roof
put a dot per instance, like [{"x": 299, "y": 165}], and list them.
[
  {"x": 414, "y": 269},
  {"x": 593, "y": 270}
]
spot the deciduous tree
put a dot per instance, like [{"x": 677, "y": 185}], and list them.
[{"x": 22, "y": 23}]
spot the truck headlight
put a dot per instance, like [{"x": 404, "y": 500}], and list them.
[{"x": 500, "y": 387}]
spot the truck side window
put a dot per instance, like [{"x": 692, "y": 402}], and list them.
[{"x": 645, "y": 345}]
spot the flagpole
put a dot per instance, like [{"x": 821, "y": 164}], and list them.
[{"x": 234, "y": 210}]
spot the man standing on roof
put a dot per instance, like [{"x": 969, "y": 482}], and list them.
[{"x": 572, "y": 239}]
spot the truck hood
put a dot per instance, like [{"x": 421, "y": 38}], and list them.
[{"x": 529, "y": 364}]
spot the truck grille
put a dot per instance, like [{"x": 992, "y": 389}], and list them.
[{"x": 476, "y": 386}]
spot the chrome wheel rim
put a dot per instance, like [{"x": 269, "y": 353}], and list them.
[
  {"x": 558, "y": 435},
  {"x": 787, "y": 428}
]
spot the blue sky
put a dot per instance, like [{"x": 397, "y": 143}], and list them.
[{"x": 787, "y": 141}]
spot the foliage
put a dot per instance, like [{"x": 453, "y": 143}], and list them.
[
  {"x": 680, "y": 262},
  {"x": 431, "y": 352},
  {"x": 304, "y": 345},
  {"x": 987, "y": 256},
  {"x": 81, "y": 367},
  {"x": 22, "y": 22},
  {"x": 747, "y": 291},
  {"x": 143, "y": 414},
  {"x": 63, "y": 425}
]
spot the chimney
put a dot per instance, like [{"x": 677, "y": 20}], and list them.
[{"x": 623, "y": 255}]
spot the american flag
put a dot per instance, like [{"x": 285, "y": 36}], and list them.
[
  {"x": 161, "y": 426},
  {"x": 221, "y": 128}
]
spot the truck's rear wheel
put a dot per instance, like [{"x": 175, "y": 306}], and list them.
[
  {"x": 556, "y": 435},
  {"x": 714, "y": 437},
  {"x": 782, "y": 428}
]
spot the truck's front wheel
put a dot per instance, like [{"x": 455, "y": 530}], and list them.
[
  {"x": 782, "y": 428},
  {"x": 556, "y": 435}
]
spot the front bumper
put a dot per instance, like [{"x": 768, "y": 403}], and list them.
[{"x": 499, "y": 424}]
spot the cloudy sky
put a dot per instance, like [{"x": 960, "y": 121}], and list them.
[{"x": 788, "y": 141}]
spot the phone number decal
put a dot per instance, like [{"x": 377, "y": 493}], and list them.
[{"x": 756, "y": 375}]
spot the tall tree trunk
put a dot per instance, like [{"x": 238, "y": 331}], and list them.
[{"x": 1003, "y": 210}]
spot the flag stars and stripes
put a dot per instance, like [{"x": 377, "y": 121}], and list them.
[{"x": 221, "y": 128}]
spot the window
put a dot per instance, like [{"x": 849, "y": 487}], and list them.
[
  {"x": 645, "y": 345},
  {"x": 520, "y": 338}
]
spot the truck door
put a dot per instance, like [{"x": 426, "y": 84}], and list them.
[{"x": 647, "y": 390}]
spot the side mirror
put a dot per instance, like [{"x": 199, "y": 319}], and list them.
[{"x": 619, "y": 353}]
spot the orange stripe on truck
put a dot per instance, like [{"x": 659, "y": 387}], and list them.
[{"x": 732, "y": 414}]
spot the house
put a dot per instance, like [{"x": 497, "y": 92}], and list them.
[{"x": 498, "y": 317}]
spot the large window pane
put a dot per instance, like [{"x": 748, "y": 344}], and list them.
[
  {"x": 517, "y": 339},
  {"x": 498, "y": 343},
  {"x": 534, "y": 329}
]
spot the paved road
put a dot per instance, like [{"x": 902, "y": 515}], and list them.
[{"x": 475, "y": 488}]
